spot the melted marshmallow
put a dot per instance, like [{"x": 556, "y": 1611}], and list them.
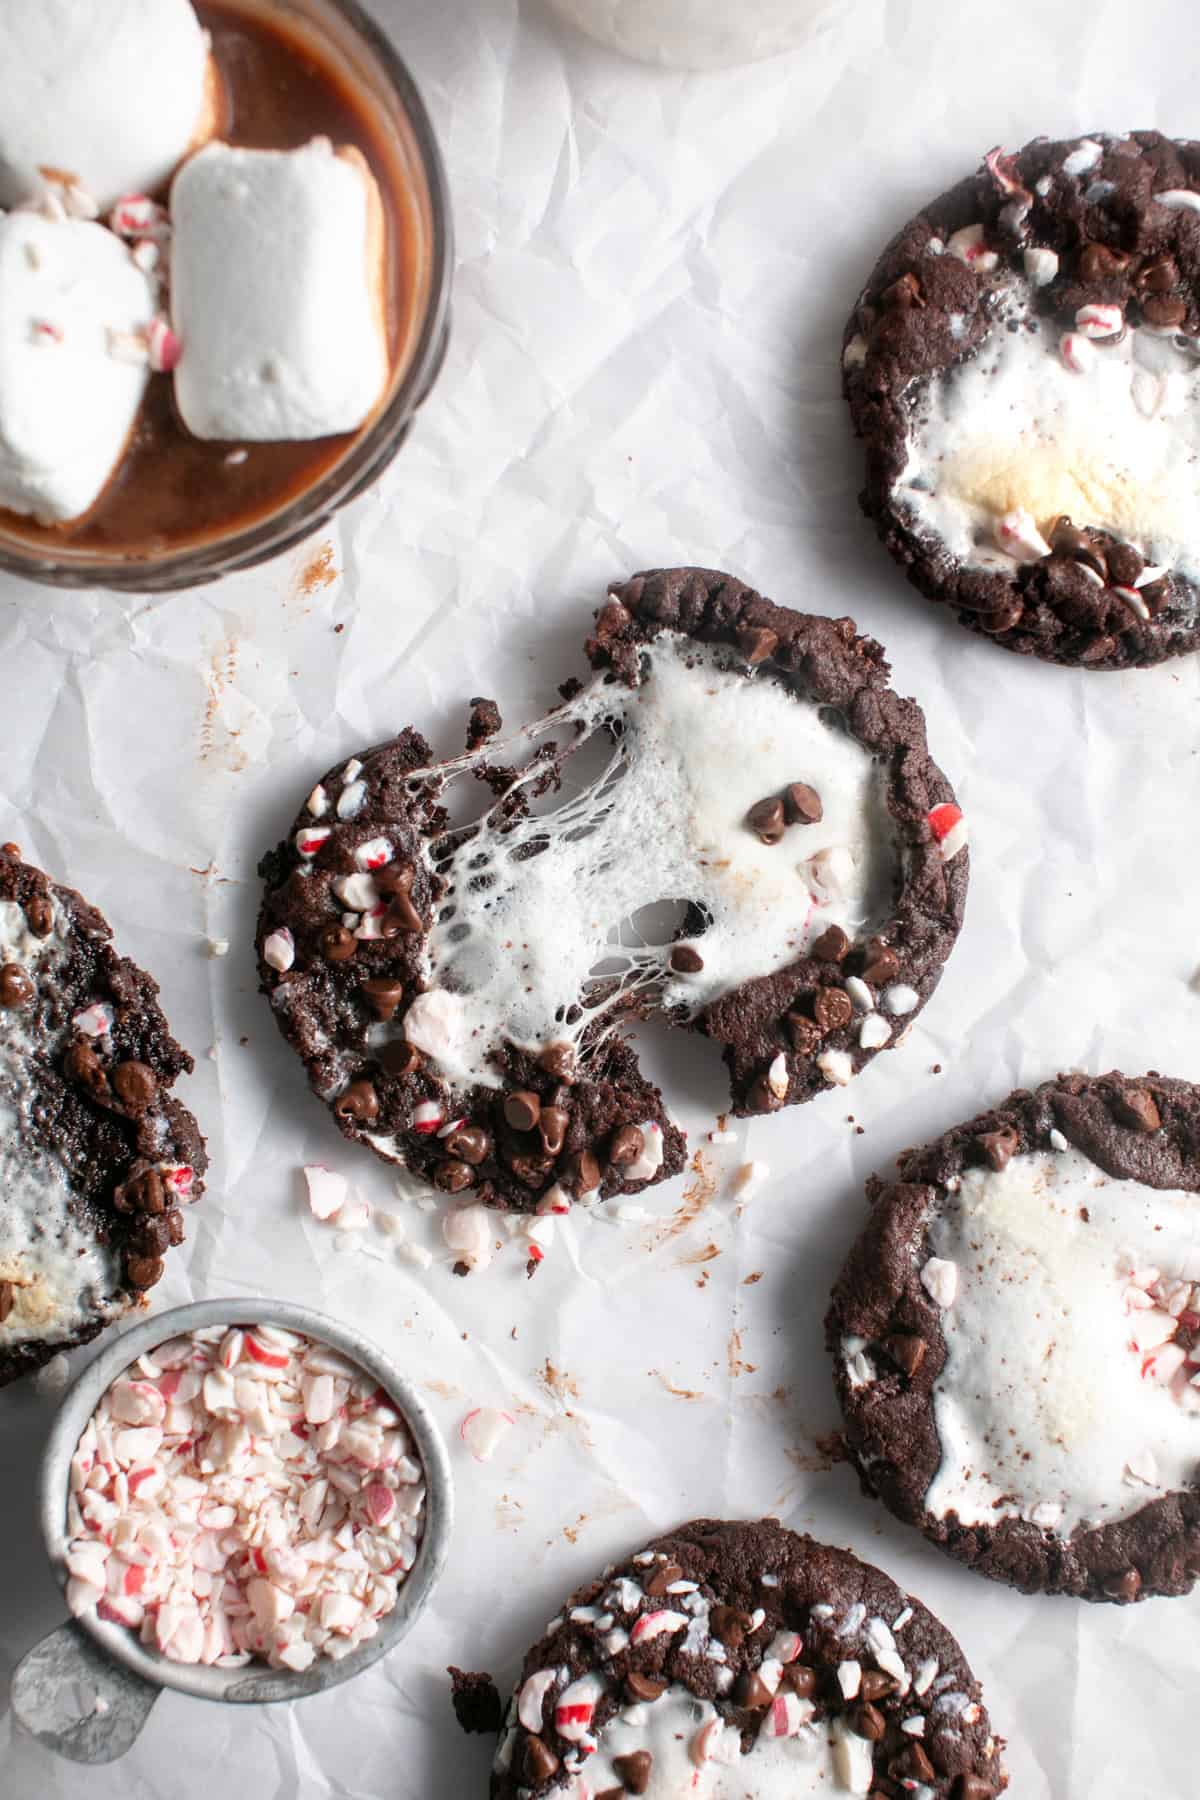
[
  {"x": 811, "y": 1762},
  {"x": 67, "y": 404},
  {"x": 519, "y": 936},
  {"x": 276, "y": 276},
  {"x": 62, "y": 1277},
  {"x": 1042, "y": 1402},
  {"x": 1114, "y": 447},
  {"x": 112, "y": 93}
]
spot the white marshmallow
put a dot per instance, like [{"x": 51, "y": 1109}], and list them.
[
  {"x": 276, "y": 276},
  {"x": 67, "y": 404},
  {"x": 114, "y": 94}
]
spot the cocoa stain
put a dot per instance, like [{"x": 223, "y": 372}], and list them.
[
  {"x": 696, "y": 1196},
  {"x": 827, "y": 1450},
  {"x": 698, "y": 1256},
  {"x": 571, "y": 1532},
  {"x": 751, "y": 1279},
  {"x": 557, "y": 1383},
  {"x": 320, "y": 572},
  {"x": 445, "y": 1389},
  {"x": 222, "y": 672},
  {"x": 508, "y": 1513},
  {"x": 680, "y": 1393},
  {"x": 734, "y": 1356}
]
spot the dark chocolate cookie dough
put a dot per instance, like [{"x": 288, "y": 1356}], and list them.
[
  {"x": 1016, "y": 1335},
  {"x": 1023, "y": 367},
  {"x": 457, "y": 991},
  {"x": 743, "y": 1659},
  {"x": 97, "y": 1155}
]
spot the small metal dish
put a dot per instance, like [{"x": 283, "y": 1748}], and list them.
[{"x": 87, "y": 1689}]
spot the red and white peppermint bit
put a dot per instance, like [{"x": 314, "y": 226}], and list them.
[
  {"x": 1041, "y": 265},
  {"x": 318, "y": 802},
  {"x": 785, "y": 1646},
  {"x": 532, "y": 1696},
  {"x": 1078, "y": 354},
  {"x": 1159, "y": 1306},
  {"x": 374, "y": 853},
  {"x": 164, "y": 346},
  {"x": 95, "y": 1021},
  {"x": 555, "y": 1200},
  {"x": 451, "y": 1126},
  {"x": 1133, "y": 600},
  {"x": 178, "y": 1177},
  {"x": 45, "y": 331},
  {"x": 309, "y": 841},
  {"x": 326, "y": 1191},
  {"x": 1100, "y": 321},
  {"x": 256, "y": 1496},
  {"x": 1001, "y": 166},
  {"x": 969, "y": 246},
  {"x": 949, "y": 829},
  {"x": 427, "y": 1117},
  {"x": 657, "y": 1624},
  {"x": 715, "y": 1742},
  {"x": 137, "y": 216},
  {"x": 279, "y": 950},
  {"x": 788, "y": 1715},
  {"x": 146, "y": 255},
  {"x": 1018, "y": 535},
  {"x": 357, "y": 891},
  {"x": 482, "y": 1430},
  {"x": 650, "y": 1160},
  {"x": 467, "y": 1231},
  {"x": 576, "y": 1707}
]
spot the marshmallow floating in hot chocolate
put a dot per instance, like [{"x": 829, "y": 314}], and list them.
[
  {"x": 113, "y": 94},
  {"x": 277, "y": 276},
  {"x": 71, "y": 300}
]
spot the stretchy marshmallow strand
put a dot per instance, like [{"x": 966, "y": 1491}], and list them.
[
  {"x": 69, "y": 293},
  {"x": 114, "y": 94},
  {"x": 242, "y": 1493},
  {"x": 276, "y": 288}
]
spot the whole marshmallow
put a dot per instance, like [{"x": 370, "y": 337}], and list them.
[
  {"x": 276, "y": 288},
  {"x": 113, "y": 92},
  {"x": 69, "y": 295}
]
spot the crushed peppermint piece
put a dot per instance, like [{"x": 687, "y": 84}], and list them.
[
  {"x": 279, "y": 950},
  {"x": 1084, "y": 158},
  {"x": 901, "y": 999},
  {"x": 1041, "y": 265},
  {"x": 326, "y": 1191},
  {"x": 836, "y": 1066},
  {"x": 874, "y": 1032},
  {"x": 482, "y": 1430},
  {"x": 750, "y": 1175},
  {"x": 939, "y": 1278}
]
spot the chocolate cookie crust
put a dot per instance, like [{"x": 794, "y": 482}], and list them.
[
  {"x": 885, "y": 1329},
  {"x": 566, "y": 1120},
  {"x": 773, "y": 1636},
  {"x": 99, "y": 1156},
  {"x": 1071, "y": 245}
]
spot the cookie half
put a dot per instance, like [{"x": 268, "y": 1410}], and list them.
[
  {"x": 97, "y": 1156},
  {"x": 732, "y": 1661},
  {"x": 1016, "y": 1337},
  {"x": 1024, "y": 368},
  {"x": 457, "y": 991}
]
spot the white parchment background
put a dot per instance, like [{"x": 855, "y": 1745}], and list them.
[{"x": 654, "y": 269}]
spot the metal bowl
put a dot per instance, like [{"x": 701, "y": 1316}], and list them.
[{"x": 108, "y": 1661}]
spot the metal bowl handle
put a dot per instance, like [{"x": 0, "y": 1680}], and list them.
[{"x": 77, "y": 1701}]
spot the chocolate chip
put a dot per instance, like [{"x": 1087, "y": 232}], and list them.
[
  {"x": 882, "y": 964},
  {"x": 644, "y": 1687},
  {"x": 398, "y": 1058},
  {"x": 912, "y": 1764},
  {"x": 803, "y": 1033},
  {"x": 1125, "y": 1587},
  {"x": 1125, "y": 564},
  {"x": 906, "y": 1350},
  {"x": 685, "y": 960},
  {"x": 383, "y": 996},
  {"x": 1135, "y": 1107},
  {"x": 143, "y": 1271},
  {"x": 612, "y": 620},
  {"x": 16, "y": 989},
  {"x": 662, "y": 1578},
  {"x": 8, "y": 1295},
  {"x": 39, "y": 915},
  {"x": 801, "y": 1679},
  {"x": 135, "y": 1085},
  {"x": 876, "y": 1685},
  {"x": 972, "y": 1787},
  {"x": 580, "y": 1174},
  {"x": 832, "y": 946},
  {"x": 832, "y": 1008},
  {"x": 469, "y": 1144},
  {"x": 532, "y": 1170},
  {"x": 999, "y": 1147},
  {"x": 1005, "y": 618},
  {"x": 757, "y": 643},
  {"x": 1164, "y": 310},
  {"x": 754, "y": 1693},
  {"x": 766, "y": 819},
  {"x": 761, "y": 1096},
  {"x": 522, "y": 1109},
  {"x": 634, "y": 1770},
  {"x": 1159, "y": 277},
  {"x": 870, "y": 1723},
  {"x": 558, "y": 1060},
  {"x": 401, "y": 915},
  {"x": 393, "y": 879},
  {"x": 1066, "y": 539},
  {"x": 626, "y": 1145},
  {"x": 1097, "y": 262},
  {"x": 540, "y": 1760},
  {"x": 146, "y": 1192},
  {"x": 360, "y": 1103},
  {"x": 802, "y": 804},
  {"x": 452, "y": 1177},
  {"x": 81, "y": 1064},
  {"x": 1099, "y": 650},
  {"x": 903, "y": 294},
  {"x": 174, "y": 1226},
  {"x": 151, "y": 1236},
  {"x": 552, "y": 1129},
  {"x": 337, "y": 943}
]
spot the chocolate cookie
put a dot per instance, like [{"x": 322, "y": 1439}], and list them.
[
  {"x": 457, "y": 991},
  {"x": 1016, "y": 1336},
  {"x": 96, "y": 1155},
  {"x": 1024, "y": 367},
  {"x": 737, "y": 1660}
]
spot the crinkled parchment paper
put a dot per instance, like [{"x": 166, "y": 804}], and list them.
[{"x": 654, "y": 272}]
